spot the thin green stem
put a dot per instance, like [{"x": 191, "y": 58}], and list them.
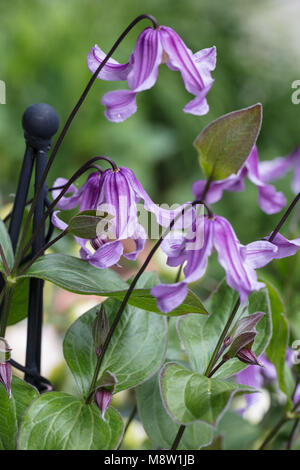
[
  {"x": 273, "y": 432},
  {"x": 292, "y": 434}
]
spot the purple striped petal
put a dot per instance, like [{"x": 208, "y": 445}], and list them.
[
  {"x": 112, "y": 70},
  {"x": 120, "y": 104},
  {"x": 6, "y": 376},
  {"x": 57, "y": 222},
  {"x": 147, "y": 56},
  {"x": 197, "y": 258},
  {"x": 66, "y": 203},
  {"x": 285, "y": 247},
  {"x": 169, "y": 296},
  {"x": 239, "y": 275},
  {"x": 259, "y": 253},
  {"x": 139, "y": 237}
]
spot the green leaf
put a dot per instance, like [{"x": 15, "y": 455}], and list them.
[
  {"x": 237, "y": 432},
  {"x": 190, "y": 396},
  {"x": 76, "y": 275},
  {"x": 12, "y": 411},
  {"x": 84, "y": 224},
  {"x": 161, "y": 429},
  {"x": 225, "y": 144},
  {"x": 200, "y": 334},
  {"x": 6, "y": 246},
  {"x": 279, "y": 341},
  {"x": 136, "y": 350},
  {"x": 19, "y": 303},
  {"x": 59, "y": 421}
]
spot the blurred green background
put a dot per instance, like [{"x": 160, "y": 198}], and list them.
[{"x": 43, "y": 49}]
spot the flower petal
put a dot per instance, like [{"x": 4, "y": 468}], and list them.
[
  {"x": 259, "y": 253},
  {"x": 139, "y": 237},
  {"x": 57, "y": 222},
  {"x": 197, "y": 258},
  {"x": 120, "y": 104},
  {"x": 169, "y": 296},
  {"x": 107, "y": 255},
  {"x": 285, "y": 247},
  {"x": 146, "y": 56},
  {"x": 239, "y": 275},
  {"x": 66, "y": 203},
  {"x": 112, "y": 70}
]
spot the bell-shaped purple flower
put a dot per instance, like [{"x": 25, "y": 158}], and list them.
[
  {"x": 274, "y": 169},
  {"x": 116, "y": 192},
  {"x": 154, "y": 47},
  {"x": 270, "y": 200},
  {"x": 238, "y": 261}
]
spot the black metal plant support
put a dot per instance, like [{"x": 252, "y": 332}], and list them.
[{"x": 40, "y": 123}]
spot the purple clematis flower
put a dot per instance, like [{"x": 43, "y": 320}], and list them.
[
  {"x": 270, "y": 200},
  {"x": 238, "y": 261},
  {"x": 154, "y": 47},
  {"x": 277, "y": 168},
  {"x": 116, "y": 192}
]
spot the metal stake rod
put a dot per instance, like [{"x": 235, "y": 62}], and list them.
[{"x": 40, "y": 123}]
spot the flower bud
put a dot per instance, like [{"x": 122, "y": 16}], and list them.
[
  {"x": 6, "y": 376},
  {"x": 248, "y": 357},
  {"x": 100, "y": 329},
  {"x": 103, "y": 399},
  {"x": 244, "y": 325}
]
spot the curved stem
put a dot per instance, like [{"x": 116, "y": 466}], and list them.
[
  {"x": 129, "y": 421},
  {"x": 284, "y": 217},
  {"x": 23, "y": 250},
  {"x": 126, "y": 297},
  {"x": 292, "y": 434},
  {"x": 74, "y": 112}
]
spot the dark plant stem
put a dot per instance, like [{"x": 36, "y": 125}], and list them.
[
  {"x": 273, "y": 432},
  {"x": 222, "y": 337},
  {"x": 214, "y": 370},
  {"x": 178, "y": 273},
  {"x": 130, "y": 419},
  {"x": 4, "y": 261},
  {"x": 74, "y": 112},
  {"x": 42, "y": 250},
  {"x": 126, "y": 298},
  {"x": 178, "y": 437},
  {"x": 284, "y": 217}
]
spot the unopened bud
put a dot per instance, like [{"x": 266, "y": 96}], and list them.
[
  {"x": 6, "y": 376},
  {"x": 100, "y": 329},
  {"x": 103, "y": 399},
  {"x": 248, "y": 357}
]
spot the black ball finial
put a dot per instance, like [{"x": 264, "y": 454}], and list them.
[{"x": 40, "y": 121}]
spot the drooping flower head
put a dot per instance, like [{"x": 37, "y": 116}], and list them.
[
  {"x": 270, "y": 200},
  {"x": 154, "y": 47},
  {"x": 239, "y": 262},
  {"x": 116, "y": 192}
]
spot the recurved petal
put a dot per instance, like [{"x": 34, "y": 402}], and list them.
[
  {"x": 66, "y": 203},
  {"x": 285, "y": 247},
  {"x": 198, "y": 251},
  {"x": 57, "y": 222},
  {"x": 120, "y": 105},
  {"x": 270, "y": 200},
  {"x": 112, "y": 70},
  {"x": 259, "y": 253},
  {"x": 169, "y": 296},
  {"x": 139, "y": 237},
  {"x": 106, "y": 256}
]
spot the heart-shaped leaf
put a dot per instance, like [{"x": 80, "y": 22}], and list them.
[
  {"x": 189, "y": 396},
  {"x": 76, "y": 275},
  {"x": 59, "y": 421},
  {"x": 136, "y": 350},
  {"x": 225, "y": 144},
  {"x": 12, "y": 411},
  {"x": 161, "y": 429}
]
